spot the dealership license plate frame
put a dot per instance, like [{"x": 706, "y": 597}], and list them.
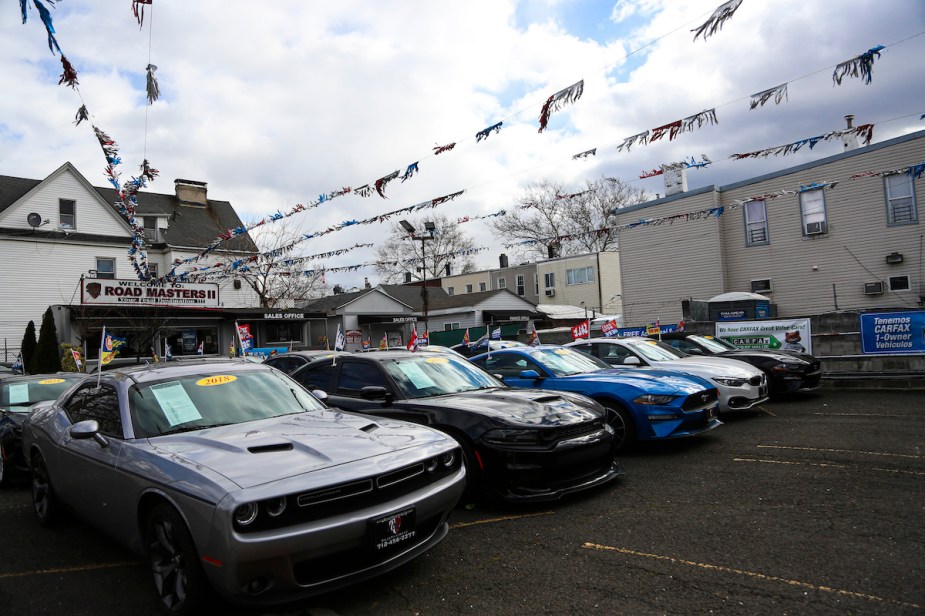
[{"x": 392, "y": 529}]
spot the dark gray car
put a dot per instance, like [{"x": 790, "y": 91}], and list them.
[{"x": 228, "y": 475}]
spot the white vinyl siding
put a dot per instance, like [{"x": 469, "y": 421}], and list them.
[
  {"x": 756, "y": 223},
  {"x": 900, "y": 199}
]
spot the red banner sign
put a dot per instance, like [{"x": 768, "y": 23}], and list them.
[{"x": 582, "y": 330}]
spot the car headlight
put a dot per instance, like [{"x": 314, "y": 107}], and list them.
[
  {"x": 512, "y": 436},
  {"x": 449, "y": 458},
  {"x": 794, "y": 362},
  {"x": 244, "y": 515},
  {"x": 729, "y": 381},
  {"x": 275, "y": 507},
  {"x": 653, "y": 399}
]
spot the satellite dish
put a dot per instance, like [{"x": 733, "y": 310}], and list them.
[{"x": 34, "y": 220}]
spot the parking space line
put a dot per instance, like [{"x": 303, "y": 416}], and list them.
[
  {"x": 128, "y": 563},
  {"x": 878, "y": 415},
  {"x": 866, "y": 453},
  {"x": 500, "y": 519},
  {"x": 830, "y": 465},
  {"x": 751, "y": 574}
]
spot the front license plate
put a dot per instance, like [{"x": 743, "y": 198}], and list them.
[
  {"x": 712, "y": 412},
  {"x": 392, "y": 529},
  {"x": 763, "y": 390}
]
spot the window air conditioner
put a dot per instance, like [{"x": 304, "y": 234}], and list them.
[
  {"x": 761, "y": 286},
  {"x": 815, "y": 228},
  {"x": 873, "y": 288},
  {"x": 550, "y": 292}
]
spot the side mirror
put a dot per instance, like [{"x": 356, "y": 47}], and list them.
[
  {"x": 694, "y": 351},
  {"x": 88, "y": 428},
  {"x": 632, "y": 360},
  {"x": 320, "y": 394},
  {"x": 530, "y": 374},
  {"x": 376, "y": 392}
]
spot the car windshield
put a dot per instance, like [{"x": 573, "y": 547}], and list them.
[
  {"x": 564, "y": 362},
  {"x": 654, "y": 350},
  {"x": 714, "y": 344},
  {"x": 19, "y": 395},
  {"x": 208, "y": 400},
  {"x": 436, "y": 374}
]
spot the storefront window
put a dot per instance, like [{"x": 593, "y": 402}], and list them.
[
  {"x": 283, "y": 332},
  {"x": 186, "y": 341}
]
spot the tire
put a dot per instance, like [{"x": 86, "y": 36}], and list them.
[
  {"x": 4, "y": 475},
  {"x": 179, "y": 581},
  {"x": 473, "y": 473},
  {"x": 624, "y": 428},
  {"x": 44, "y": 500}
]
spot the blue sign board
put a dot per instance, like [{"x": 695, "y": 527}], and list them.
[
  {"x": 893, "y": 332},
  {"x": 625, "y": 332}
]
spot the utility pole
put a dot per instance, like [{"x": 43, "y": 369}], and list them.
[{"x": 429, "y": 227}]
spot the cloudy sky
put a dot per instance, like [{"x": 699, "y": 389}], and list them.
[{"x": 274, "y": 103}]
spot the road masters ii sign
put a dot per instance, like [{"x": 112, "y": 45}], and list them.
[{"x": 102, "y": 292}]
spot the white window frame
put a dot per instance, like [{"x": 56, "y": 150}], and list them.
[
  {"x": 521, "y": 285},
  {"x": 579, "y": 275},
  {"x": 448, "y": 327},
  {"x": 67, "y": 221},
  {"x": 755, "y": 215},
  {"x": 898, "y": 188},
  {"x": 482, "y": 286},
  {"x": 468, "y": 288},
  {"x": 536, "y": 283},
  {"x": 450, "y": 290},
  {"x": 812, "y": 209},
  {"x": 907, "y": 286},
  {"x": 106, "y": 275},
  {"x": 150, "y": 232},
  {"x": 550, "y": 280},
  {"x": 502, "y": 282}
]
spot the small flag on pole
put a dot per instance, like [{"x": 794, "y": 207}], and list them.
[
  {"x": 534, "y": 337},
  {"x": 340, "y": 341},
  {"x": 384, "y": 343},
  {"x": 413, "y": 342}
]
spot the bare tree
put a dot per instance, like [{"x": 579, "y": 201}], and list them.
[
  {"x": 574, "y": 222},
  {"x": 399, "y": 253}
]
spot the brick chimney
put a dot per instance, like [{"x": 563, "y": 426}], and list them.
[{"x": 191, "y": 192}]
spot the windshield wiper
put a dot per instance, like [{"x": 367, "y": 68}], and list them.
[{"x": 193, "y": 428}]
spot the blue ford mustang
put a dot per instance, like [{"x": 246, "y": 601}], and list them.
[{"x": 644, "y": 404}]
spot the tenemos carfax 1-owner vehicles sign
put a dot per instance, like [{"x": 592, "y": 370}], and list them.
[{"x": 893, "y": 332}]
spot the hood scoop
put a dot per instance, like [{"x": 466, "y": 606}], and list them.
[
  {"x": 545, "y": 399},
  {"x": 271, "y": 447},
  {"x": 370, "y": 427}
]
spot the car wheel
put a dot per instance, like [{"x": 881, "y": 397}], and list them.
[
  {"x": 623, "y": 427},
  {"x": 44, "y": 500},
  {"x": 178, "y": 577},
  {"x": 4, "y": 476}
]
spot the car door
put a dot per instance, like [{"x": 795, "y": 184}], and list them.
[
  {"x": 510, "y": 365},
  {"x": 86, "y": 470}
]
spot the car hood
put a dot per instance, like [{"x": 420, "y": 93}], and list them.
[
  {"x": 712, "y": 366},
  {"x": 650, "y": 381},
  {"x": 533, "y": 407},
  {"x": 256, "y": 452}
]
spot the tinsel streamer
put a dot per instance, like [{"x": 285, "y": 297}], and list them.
[
  {"x": 147, "y": 172},
  {"x": 69, "y": 74},
  {"x": 22, "y": 7},
  {"x": 641, "y": 138},
  {"x": 153, "y": 90},
  {"x": 649, "y": 174},
  {"x": 717, "y": 19},
  {"x": 446, "y": 198},
  {"x": 485, "y": 132},
  {"x": 915, "y": 171},
  {"x": 585, "y": 154},
  {"x": 559, "y": 100},
  {"x": 672, "y": 129},
  {"x": 410, "y": 171},
  {"x": 779, "y": 93},
  {"x": 694, "y": 164},
  {"x": 49, "y": 27},
  {"x": 138, "y": 9},
  {"x": 864, "y": 131},
  {"x": 440, "y": 149},
  {"x": 859, "y": 66},
  {"x": 82, "y": 114},
  {"x": 381, "y": 183},
  {"x": 364, "y": 191},
  {"x": 707, "y": 116}
]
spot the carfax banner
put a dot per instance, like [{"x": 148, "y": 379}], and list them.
[
  {"x": 791, "y": 335},
  {"x": 893, "y": 332}
]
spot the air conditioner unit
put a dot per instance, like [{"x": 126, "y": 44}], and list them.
[
  {"x": 761, "y": 286},
  {"x": 873, "y": 288},
  {"x": 815, "y": 228},
  {"x": 550, "y": 292}
]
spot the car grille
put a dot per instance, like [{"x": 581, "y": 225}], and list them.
[
  {"x": 756, "y": 380},
  {"x": 554, "y": 435},
  {"x": 701, "y": 399}
]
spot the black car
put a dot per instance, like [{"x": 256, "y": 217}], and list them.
[
  {"x": 518, "y": 444},
  {"x": 482, "y": 345},
  {"x": 787, "y": 371},
  {"x": 293, "y": 360},
  {"x": 18, "y": 395}
]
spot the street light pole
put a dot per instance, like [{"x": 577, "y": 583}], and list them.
[{"x": 430, "y": 227}]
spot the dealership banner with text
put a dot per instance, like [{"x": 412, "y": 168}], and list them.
[
  {"x": 793, "y": 335},
  {"x": 110, "y": 292},
  {"x": 893, "y": 332}
]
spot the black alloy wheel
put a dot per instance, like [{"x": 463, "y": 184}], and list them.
[
  {"x": 624, "y": 430},
  {"x": 44, "y": 501},
  {"x": 179, "y": 581}
]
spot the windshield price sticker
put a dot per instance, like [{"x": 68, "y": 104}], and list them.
[
  {"x": 437, "y": 360},
  {"x": 175, "y": 403},
  {"x": 561, "y": 351},
  {"x": 50, "y": 381},
  {"x": 19, "y": 393},
  {"x": 218, "y": 379}
]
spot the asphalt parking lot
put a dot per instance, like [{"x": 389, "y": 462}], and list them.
[{"x": 810, "y": 505}]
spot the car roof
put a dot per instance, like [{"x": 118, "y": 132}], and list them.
[
  {"x": 41, "y": 377},
  {"x": 305, "y": 353},
  {"x": 382, "y": 355},
  {"x": 184, "y": 367}
]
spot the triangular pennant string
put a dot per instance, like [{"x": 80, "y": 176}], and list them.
[
  {"x": 722, "y": 14},
  {"x": 82, "y": 114},
  {"x": 585, "y": 154},
  {"x": 49, "y": 26},
  {"x": 440, "y": 149},
  {"x": 410, "y": 171},
  {"x": 778, "y": 93},
  {"x": 138, "y": 9},
  {"x": 68, "y": 74},
  {"x": 559, "y": 100},
  {"x": 152, "y": 88},
  {"x": 485, "y": 132},
  {"x": 641, "y": 138},
  {"x": 671, "y": 129},
  {"x": 381, "y": 183},
  {"x": 859, "y": 66}
]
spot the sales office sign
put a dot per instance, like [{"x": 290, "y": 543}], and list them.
[{"x": 103, "y": 292}]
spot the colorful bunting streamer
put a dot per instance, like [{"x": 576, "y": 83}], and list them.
[
  {"x": 138, "y": 9},
  {"x": 410, "y": 171},
  {"x": 485, "y": 132},
  {"x": 466, "y": 219},
  {"x": 381, "y": 183},
  {"x": 82, "y": 114},
  {"x": 440, "y": 149},
  {"x": 671, "y": 129},
  {"x": 707, "y": 116},
  {"x": 865, "y": 132},
  {"x": 641, "y": 138},
  {"x": 585, "y": 154},
  {"x": 859, "y": 66},
  {"x": 69, "y": 74},
  {"x": 559, "y": 100},
  {"x": 779, "y": 93},
  {"x": 45, "y": 15},
  {"x": 723, "y": 13},
  {"x": 152, "y": 88}
]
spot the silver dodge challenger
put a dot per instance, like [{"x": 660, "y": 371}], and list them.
[{"x": 228, "y": 476}]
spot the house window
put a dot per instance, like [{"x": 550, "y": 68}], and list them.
[
  {"x": 468, "y": 288},
  {"x": 521, "y": 287},
  {"x": 536, "y": 283},
  {"x": 550, "y": 280},
  {"x": 502, "y": 283},
  {"x": 450, "y": 290},
  {"x": 812, "y": 209},
  {"x": 67, "y": 213},
  {"x": 448, "y": 327},
  {"x": 150, "y": 223},
  {"x": 900, "y": 200},
  {"x": 105, "y": 268},
  {"x": 481, "y": 286},
  {"x": 899, "y": 283},
  {"x": 152, "y": 269},
  {"x": 756, "y": 223},
  {"x": 581, "y": 275}
]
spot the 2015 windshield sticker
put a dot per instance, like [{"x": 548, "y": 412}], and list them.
[
  {"x": 414, "y": 372},
  {"x": 175, "y": 403},
  {"x": 218, "y": 379},
  {"x": 50, "y": 381},
  {"x": 437, "y": 360},
  {"x": 562, "y": 352}
]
